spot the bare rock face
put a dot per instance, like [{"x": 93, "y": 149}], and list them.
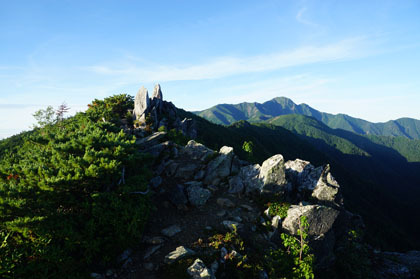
[
  {"x": 141, "y": 104},
  {"x": 250, "y": 178},
  {"x": 199, "y": 270},
  {"x": 272, "y": 174},
  {"x": 157, "y": 92},
  {"x": 327, "y": 187},
  {"x": 197, "y": 151},
  {"x": 320, "y": 219},
  {"x": 219, "y": 167}
]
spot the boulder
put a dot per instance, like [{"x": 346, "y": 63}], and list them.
[
  {"x": 176, "y": 196},
  {"x": 320, "y": 219},
  {"x": 186, "y": 171},
  {"x": 236, "y": 165},
  {"x": 250, "y": 178},
  {"x": 220, "y": 166},
  {"x": 303, "y": 175},
  {"x": 141, "y": 104},
  {"x": 272, "y": 175},
  {"x": 179, "y": 253},
  {"x": 327, "y": 187},
  {"x": 198, "y": 270},
  {"x": 157, "y": 149},
  {"x": 236, "y": 186},
  {"x": 197, "y": 195},
  {"x": 151, "y": 140},
  {"x": 276, "y": 222},
  {"x": 197, "y": 151}
]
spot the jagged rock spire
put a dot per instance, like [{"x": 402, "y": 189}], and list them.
[
  {"x": 141, "y": 104},
  {"x": 157, "y": 92}
]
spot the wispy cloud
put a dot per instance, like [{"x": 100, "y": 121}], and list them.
[
  {"x": 228, "y": 66},
  {"x": 300, "y": 17}
]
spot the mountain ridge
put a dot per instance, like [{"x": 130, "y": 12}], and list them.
[{"x": 255, "y": 112}]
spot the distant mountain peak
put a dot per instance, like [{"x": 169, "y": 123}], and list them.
[{"x": 256, "y": 112}]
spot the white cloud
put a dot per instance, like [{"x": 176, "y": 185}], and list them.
[
  {"x": 228, "y": 66},
  {"x": 300, "y": 18}
]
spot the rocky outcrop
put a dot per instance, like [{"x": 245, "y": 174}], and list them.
[
  {"x": 197, "y": 151},
  {"x": 219, "y": 167},
  {"x": 320, "y": 219},
  {"x": 141, "y": 104},
  {"x": 159, "y": 114},
  {"x": 188, "y": 128},
  {"x": 213, "y": 191},
  {"x": 157, "y": 92},
  {"x": 313, "y": 182},
  {"x": 327, "y": 187},
  {"x": 393, "y": 265},
  {"x": 198, "y": 195},
  {"x": 272, "y": 175},
  {"x": 198, "y": 270}
]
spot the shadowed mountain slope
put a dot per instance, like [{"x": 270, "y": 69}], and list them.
[{"x": 255, "y": 112}]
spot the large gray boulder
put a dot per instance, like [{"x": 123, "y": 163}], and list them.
[
  {"x": 327, "y": 187},
  {"x": 320, "y": 219},
  {"x": 141, "y": 104},
  {"x": 220, "y": 166},
  {"x": 316, "y": 182},
  {"x": 272, "y": 174},
  {"x": 302, "y": 174},
  {"x": 196, "y": 151}
]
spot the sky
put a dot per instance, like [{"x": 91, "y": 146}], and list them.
[{"x": 360, "y": 58}]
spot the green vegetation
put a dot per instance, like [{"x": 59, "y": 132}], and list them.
[
  {"x": 112, "y": 109},
  {"x": 65, "y": 194},
  {"x": 295, "y": 261},
  {"x": 45, "y": 117},
  {"x": 177, "y": 136},
  {"x": 248, "y": 147},
  {"x": 279, "y": 209},
  {"x": 408, "y": 148}
]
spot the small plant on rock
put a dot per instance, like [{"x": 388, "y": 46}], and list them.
[
  {"x": 279, "y": 209},
  {"x": 295, "y": 261}
]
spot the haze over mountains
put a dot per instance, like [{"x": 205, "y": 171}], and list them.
[{"x": 256, "y": 112}]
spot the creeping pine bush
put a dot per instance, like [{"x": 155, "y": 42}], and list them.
[{"x": 66, "y": 199}]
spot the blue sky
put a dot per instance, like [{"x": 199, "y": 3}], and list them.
[{"x": 356, "y": 57}]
